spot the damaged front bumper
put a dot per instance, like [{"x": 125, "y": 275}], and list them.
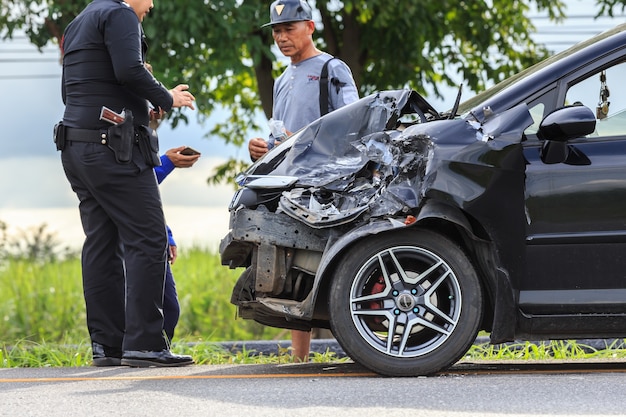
[
  {"x": 281, "y": 256},
  {"x": 285, "y": 260}
]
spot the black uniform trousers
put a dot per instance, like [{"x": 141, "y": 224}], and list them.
[{"x": 125, "y": 250}]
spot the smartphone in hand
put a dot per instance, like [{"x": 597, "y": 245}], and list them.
[{"x": 189, "y": 151}]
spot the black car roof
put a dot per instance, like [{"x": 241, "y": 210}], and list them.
[{"x": 515, "y": 88}]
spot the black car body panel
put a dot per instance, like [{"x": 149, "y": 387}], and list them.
[{"x": 525, "y": 182}]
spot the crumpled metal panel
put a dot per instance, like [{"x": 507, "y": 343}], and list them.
[
  {"x": 362, "y": 162},
  {"x": 322, "y": 153}
]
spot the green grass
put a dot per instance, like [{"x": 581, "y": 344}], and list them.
[
  {"x": 29, "y": 354},
  {"x": 545, "y": 350},
  {"x": 42, "y": 319}
]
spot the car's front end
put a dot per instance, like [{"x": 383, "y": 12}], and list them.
[{"x": 376, "y": 167}]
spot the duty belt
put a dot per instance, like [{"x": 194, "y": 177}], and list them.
[{"x": 85, "y": 135}]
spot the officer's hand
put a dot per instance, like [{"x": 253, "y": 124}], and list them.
[
  {"x": 182, "y": 97},
  {"x": 179, "y": 160},
  {"x": 156, "y": 115}
]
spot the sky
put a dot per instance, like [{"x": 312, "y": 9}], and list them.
[{"x": 34, "y": 190}]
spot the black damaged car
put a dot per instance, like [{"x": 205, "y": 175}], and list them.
[{"x": 406, "y": 231}]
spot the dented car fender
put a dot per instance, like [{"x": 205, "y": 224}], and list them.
[{"x": 335, "y": 250}]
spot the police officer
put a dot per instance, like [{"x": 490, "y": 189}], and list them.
[{"x": 125, "y": 251}]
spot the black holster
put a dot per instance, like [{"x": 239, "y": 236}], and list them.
[
  {"x": 58, "y": 136},
  {"x": 121, "y": 139},
  {"x": 149, "y": 145}
]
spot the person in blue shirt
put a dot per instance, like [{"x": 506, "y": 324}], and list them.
[{"x": 171, "y": 308}]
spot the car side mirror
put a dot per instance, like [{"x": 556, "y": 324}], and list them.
[
  {"x": 560, "y": 126},
  {"x": 567, "y": 123}
]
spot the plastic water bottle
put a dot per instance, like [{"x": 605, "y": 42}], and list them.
[{"x": 279, "y": 133}]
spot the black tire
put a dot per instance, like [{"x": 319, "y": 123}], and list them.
[{"x": 419, "y": 284}]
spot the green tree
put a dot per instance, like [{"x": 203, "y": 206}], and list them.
[{"x": 219, "y": 49}]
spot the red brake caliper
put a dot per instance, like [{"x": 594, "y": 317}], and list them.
[{"x": 378, "y": 287}]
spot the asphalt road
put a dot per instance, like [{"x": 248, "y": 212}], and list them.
[{"x": 317, "y": 390}]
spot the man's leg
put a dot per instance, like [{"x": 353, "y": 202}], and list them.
[
  {"x": 301, "y": 343},
  {"x": 103, "y": 277},
  {"x": 171, "y": 306},
  {"x": 135, "y": 207},
  {"x": 143, "y": 233},
  {"x": 102, "y": 263}
]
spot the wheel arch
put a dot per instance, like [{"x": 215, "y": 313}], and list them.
[{"x": 499, "y": 315}]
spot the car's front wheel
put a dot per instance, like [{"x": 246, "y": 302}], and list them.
[{"x": 406, "y": 304}]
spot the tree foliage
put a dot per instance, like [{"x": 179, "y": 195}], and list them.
[{"x": 219, "y": 49}]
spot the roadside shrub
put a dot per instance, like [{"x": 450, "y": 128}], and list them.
[
  {"x": 35, "y": 244},
  {"x": 42, "y": 300}
]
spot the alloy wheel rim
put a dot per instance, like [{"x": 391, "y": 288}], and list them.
[{"x": 405, "y": 301}]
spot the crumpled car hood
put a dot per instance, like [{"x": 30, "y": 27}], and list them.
[{"x": 361, "y": 158}]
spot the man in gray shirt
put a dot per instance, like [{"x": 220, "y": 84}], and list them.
[{"x": 297, "y": 91}]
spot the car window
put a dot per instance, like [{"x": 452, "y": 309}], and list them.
[
  {"x": 594, "y": 91},
  {"x": 539, "y": 106},
  {"x": 536, "y": 112}
]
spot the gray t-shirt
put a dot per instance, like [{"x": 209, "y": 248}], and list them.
[{"x": 296, "y": 91}]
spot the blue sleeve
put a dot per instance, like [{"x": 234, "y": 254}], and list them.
[
  {"x": 167, "y": 166},
  {"x": 170, "y": 237}
]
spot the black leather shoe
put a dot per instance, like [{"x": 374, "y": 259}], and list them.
[
  {"x": 147, "y": 358},
  {"x": 105, "y": 355}
]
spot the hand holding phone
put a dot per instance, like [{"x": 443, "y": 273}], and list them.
[
  {"x": 183, "y": 156},
  {"x": 189, "y": 151}
]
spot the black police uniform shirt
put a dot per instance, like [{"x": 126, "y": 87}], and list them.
[{"x": 103, "y": 65}]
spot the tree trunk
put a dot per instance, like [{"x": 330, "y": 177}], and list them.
[
  {"x": 265, "y": 82},
  {"x": 351, "y": 47}
]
